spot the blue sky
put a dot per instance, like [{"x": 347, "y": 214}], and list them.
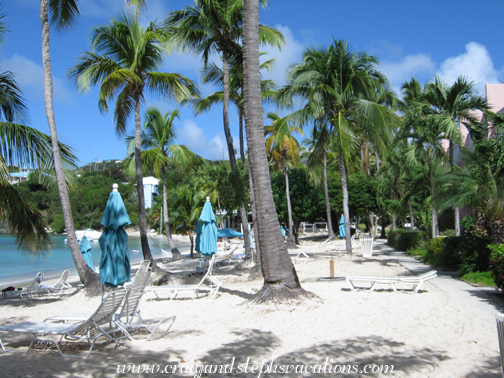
[{"x": 410, "y": 38}]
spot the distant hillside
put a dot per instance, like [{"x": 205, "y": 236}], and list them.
[{"x": 101, "y": 165}]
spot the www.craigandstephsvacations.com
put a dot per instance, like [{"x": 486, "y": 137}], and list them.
[{"x": 266, "y": 367}]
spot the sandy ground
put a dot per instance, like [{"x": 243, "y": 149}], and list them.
[{"x": 428, "y": 334}]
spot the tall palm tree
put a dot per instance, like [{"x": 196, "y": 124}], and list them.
[
  {"x": 336, "y": 83},
  {"x": 280, "y": 278},
  {"x": 125, "y": 64},
  {"x": 160, "y": 153},
  {"x": 283, "y": 149},
  {"x": 456, "y": 105},
  {"x": 215, "y": 26},
  {"x": 62, "y": 14},
  {"x": 423, "y": 128},
  {"x": 319, "y": 152}
]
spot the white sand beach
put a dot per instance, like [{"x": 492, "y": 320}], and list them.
[{"x": 446, "y": 330}]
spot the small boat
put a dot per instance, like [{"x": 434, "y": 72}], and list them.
[
  {"x": 89, "y": 233},
  {"x": 135, "y": 251}
]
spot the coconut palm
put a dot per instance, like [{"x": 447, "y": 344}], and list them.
[
  {"x": 283, "y": 150},
  {"x": 215, "y": 26},
  {"x": 62, "y": 14},
  {"x": 456, "y": 105},
  {"x": 125, "y": 64},
  {"x": 280, "y": 278},
  {"x": 337, "y": 83},
  {"x": 214, "y": 74},
  {"x": 160, "y": 153},
  {"x": 423, "y": 128}
]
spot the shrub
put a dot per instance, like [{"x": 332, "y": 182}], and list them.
[
  {"x": 362, "y": 227},
  {"x": 470, "y": 252},
  {"x": 391, "y": 237},
  {"x": 479, "y": 278},
  {"x": 467, "y": 224},
  {"x": 497, "y": 264},
  {"x": 449, "y": 232},
  {"x": 408, "y": 239}
]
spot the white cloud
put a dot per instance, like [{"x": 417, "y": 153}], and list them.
[
  {"x": 195, "y": 139},
  {"x": 292, "y": 52},
  {"x": 476, "y": 64},
  {"x": 407, "y": 68},
  {"x": 30, "y": 76}
]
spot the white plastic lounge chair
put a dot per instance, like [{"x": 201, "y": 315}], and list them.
[
  {"x": 35, "y": 288},
  {"x": 61, "y": 284},
  {"x": 193, "y": 290},
  {"x": 129, "y": 319},
  {"x": 301, "y": 253},
  {"x": 226, "y": 260},
  {"x": 500, "y": 332},
  {"x": 415, "y": 282},
  {"x": 89, "y": 330}
]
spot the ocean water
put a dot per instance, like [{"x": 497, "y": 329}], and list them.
[{"x": 16, "y": 267}]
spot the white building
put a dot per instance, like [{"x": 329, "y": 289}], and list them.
[{"x": 150, "y": 185}]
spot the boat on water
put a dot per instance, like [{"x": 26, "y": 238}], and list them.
[
  {"x": 135, "y": 251},
  {"x": 88, "y": 233}
]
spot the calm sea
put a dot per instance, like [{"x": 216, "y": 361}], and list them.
[{"x": 16, "y": 267}]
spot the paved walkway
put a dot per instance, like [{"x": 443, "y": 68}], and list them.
[{"x": 482, "y": 301}]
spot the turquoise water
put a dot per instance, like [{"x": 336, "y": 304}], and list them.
[{"x": 16, "y": 267}]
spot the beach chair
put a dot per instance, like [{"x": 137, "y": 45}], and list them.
[
  {"x": 61, "y": 284},
  {"x": 193, "y": 290},
  {"x": 301, "y": 253},
  {"x": 129, "y": 319},
  {"x": 88, "y": 330},
  {"x": 500, "y": 333},
  {"x": 35, "y": 288},
  {"x": 226, "y": 260},
  {"x": 415, "y": 282}
]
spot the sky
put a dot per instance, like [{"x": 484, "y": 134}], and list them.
[{"x": 418, "y": 39}]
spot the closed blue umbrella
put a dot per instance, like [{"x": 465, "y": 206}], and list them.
[
  {"x": 114, "y": 264},
  {"x": 85, "y": 248},
  {"x": 206, "y": 230},
  {"x": 342, "y": 231}
]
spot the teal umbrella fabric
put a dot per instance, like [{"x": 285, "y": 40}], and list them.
[
  {"x": 342, "y": 231},
  {"x": 228, "y": 233},
  {"x": 206, "y": 231},
  {"x": 85, "y": 248},
  {"x": 115, "y": 263}
]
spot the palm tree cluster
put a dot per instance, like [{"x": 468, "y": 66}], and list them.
[{"x": 356, "y": 125}]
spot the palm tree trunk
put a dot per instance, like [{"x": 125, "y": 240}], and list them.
[
  {"x": 242, "y": 148},
  {"x": 412, "y": 218},
  {"x": 174, "y": 250},
  {"x": 88, "y": 277},
  {"x": 433, "y": 210},
  {"x": 280, "y": 278},
  {"x": 326, "y": 195},
  {"x": 142, "y": 217},
  {"x": 456, "y": 209},
  {"x": 346, "y": 212},
  {"x": 290, "y": 242},
  {"x": 229, "y": 141},
  {"x": 253, "y": 207}
]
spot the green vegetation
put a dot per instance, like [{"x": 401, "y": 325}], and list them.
[{"x": 479, "y": 278}]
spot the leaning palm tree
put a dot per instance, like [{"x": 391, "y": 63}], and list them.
[
  {"x": 62, "y": 14},
  {"x": 159, "y": 153},
  {"x": 125, "y": 64},
  {"x": 283, "y": 149},
  {"x": 280, "y": 278},
  {"x": 337, "y": 83},
  {"x": 215, "y": 26}
]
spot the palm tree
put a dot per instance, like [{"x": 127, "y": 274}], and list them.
[
  {"x": 280, "y": 278},
  {"x": 215, "y": 26},
  {"x": 283, "y": 149},
  {"x": 124, "y": 65},
  {"x": 337, "y": 83},
  {"x": 456, "y": 105},
  {"x": 319, "y": 152},
  {"x": 63, "y": 14},
  {"x": 423, "y": 128},
  {"x": 160, "y": 153}
]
